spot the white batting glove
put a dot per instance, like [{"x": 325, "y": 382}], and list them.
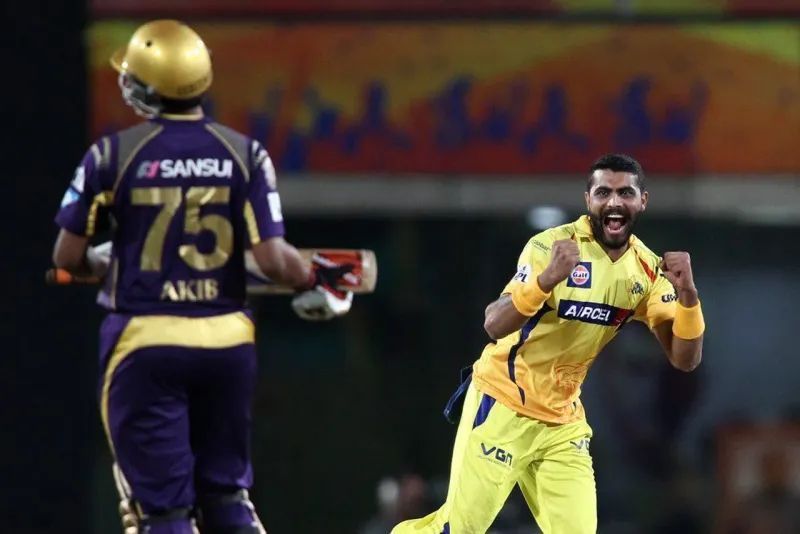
[{"x": 322, "y": 303}]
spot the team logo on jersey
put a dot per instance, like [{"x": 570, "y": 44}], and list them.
[
  {"x": 593, "y": 312},
  {"x": 581, "y": 275},
  {"x": 186, "y": 168},
  {"x": 522, "y": 273},
  {"x": 637, "y": 289}
]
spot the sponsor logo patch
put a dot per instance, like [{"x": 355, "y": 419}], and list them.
[
  {"x": 522, "y": 273},
  {"x": 186, "y": 168},
  {"x": 493, "y": 453},
  {"x": 581, "y": 444},
  {"x": 669, "y": 297},
  {"x": 541, "y": 246},
  {"x": 581, "y": 275},
  {"x": 593, "y": 313}
]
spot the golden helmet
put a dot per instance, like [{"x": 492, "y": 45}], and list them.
[{"x": 168, "y": 57}]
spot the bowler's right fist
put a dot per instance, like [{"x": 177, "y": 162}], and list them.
[{"x": 564, "y": 256}]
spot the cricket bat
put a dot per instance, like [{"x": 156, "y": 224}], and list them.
[{"x": 360, "y": 280}]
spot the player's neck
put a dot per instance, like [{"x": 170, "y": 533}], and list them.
[
  {"x": 615, "y": 253},
  {"x": 195, "y": 112}
]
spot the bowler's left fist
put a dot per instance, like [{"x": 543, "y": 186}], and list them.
[{"x": 677, "y": 268}]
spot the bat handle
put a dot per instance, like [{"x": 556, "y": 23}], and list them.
[{"x": 60, "y": 277}]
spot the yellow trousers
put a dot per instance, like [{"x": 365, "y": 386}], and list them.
[{"x": 496, "y": 448}]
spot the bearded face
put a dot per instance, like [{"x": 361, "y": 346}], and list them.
[{"x": 614, "y": 202}]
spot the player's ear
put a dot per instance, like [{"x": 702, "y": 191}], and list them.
[
  {"x": 645, "y": 196},
  {"x": 586, "y": 198}
]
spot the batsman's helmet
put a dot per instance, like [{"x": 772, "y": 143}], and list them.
[{"x": 164, "y": 59}]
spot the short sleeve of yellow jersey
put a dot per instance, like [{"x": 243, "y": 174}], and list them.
[
  {"x": 659, "y": 305},
  {"x": 532, "y": 261}
]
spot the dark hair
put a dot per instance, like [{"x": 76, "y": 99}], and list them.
[
  {"x": 617, "y": 163},
  {"x": 174, "y": 105}
]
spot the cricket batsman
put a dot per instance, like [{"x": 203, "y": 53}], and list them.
[
  {"x": 177, "y": 355},
  {"x": 522, "y": 420}
]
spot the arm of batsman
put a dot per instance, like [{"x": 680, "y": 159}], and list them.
[{"x": 322, "y": 303}]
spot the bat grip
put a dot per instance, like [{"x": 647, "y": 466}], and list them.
[{"x": 61, "y": 277}]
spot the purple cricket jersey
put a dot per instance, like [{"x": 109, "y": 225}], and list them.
[{"x": 187, "y": 196}]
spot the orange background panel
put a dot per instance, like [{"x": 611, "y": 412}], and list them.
[{"x": 496, "y": 97}]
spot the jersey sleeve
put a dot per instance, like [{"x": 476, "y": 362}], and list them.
[
  {"x": 659, "y": 305},
  {"x": 532, "y": 261},
  {"x": 262, "y": 206},
  {"x": 86, "y": 193}
]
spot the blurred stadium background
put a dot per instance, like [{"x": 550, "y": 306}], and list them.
[{"x": 440, "y": 133}]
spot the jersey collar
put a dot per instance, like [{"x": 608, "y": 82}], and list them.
[{"x": 583, "y": 227}]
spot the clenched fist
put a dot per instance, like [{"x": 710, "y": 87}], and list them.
[
  {"x": 564, "y": 256},
  {"x": 677, "y": 268}
]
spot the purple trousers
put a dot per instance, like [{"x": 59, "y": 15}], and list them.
[{"x": 175, "y": 396}]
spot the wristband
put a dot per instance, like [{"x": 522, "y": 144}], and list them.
[
  {"x": 688, "y": 322},
  {"x": 528, "y": 298}
]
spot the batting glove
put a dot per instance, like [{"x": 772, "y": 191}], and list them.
[{"x": 322, "y": 303}]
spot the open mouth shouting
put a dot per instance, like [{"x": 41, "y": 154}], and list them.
[
  {"x": 615, "y": 225},
  {"x": 612, "y": 228}
]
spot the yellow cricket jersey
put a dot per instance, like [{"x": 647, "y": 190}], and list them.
[{"x": 538, "y": 371}]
